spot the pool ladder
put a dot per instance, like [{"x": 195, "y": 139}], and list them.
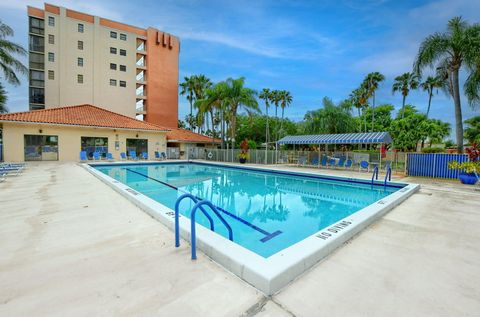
[
  {"x": 388, "y": 175},
  {"x": 198, "y": 205}
]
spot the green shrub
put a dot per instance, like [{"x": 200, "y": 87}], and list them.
[{"x": 433, "y": 150}]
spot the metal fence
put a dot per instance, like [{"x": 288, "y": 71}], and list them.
[
  {"x": 433, "y": 165},
  {"x": 397, "y": 160}
]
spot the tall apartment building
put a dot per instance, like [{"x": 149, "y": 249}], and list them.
[{"x": 78, "y": 58}]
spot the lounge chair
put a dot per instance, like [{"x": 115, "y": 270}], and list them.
[
  {"x": 110, "y": 157},
  {"x": 163, "y": 155},
  {"x": 348, "y": 164},
  {"x": 341, "y": 163},
  {"x": 7, "y": 171},
  {"x": 157, "y": 155},
  {"x": 96, "y": 156},
  {"x": 364, "y": 166},
  {"x": 315, "y": 161},
  {"x": 133, "y": 155},
  {"x": 332, "y": 163},
  {"x": 83, "y": 156},
  {"x": 123, "y": 156},
  {"x": 323, "y": 163},
  {"x": 145, "y": 155}
]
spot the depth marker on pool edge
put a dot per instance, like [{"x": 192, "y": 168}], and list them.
[{"x": 267, "y": 234}]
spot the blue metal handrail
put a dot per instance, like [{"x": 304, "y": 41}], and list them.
[
  {"x": 193, "y": 234},
  {"x": 177, "y": 212},
  {"x": 375, "y": 174},
  {"x": 388, "y": 175}
]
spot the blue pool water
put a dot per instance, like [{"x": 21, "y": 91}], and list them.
[{"x": 268, "y": 211}]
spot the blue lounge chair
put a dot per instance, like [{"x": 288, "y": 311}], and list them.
[
  {"x": 157, "y": 155},
  {"x": 332, "y": 163},
  {"x": 110, "y": 156},
  {"x": 123, "y": 156},
  {"x": 96, "y": 156},
  {"x": 315, "y": 161},
  {"x": 133, "y": 155},
  {"x": 6, "y": 171},
  {"x": 364, "y": 166},
  {"x": 164, "y": 156},
  {"x": 83, "y": 156},
  {"x": 349, "y": 164},
  {"x": 323, "y": 163},
  {"x": 145, "y": 155},
  {"x": 341, "y": 163}
]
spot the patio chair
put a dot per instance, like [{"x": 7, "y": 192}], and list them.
[
  {"x": 332, "y": 163},
  {"x": 157, "y": 155},
  {"x": 323, "y": 163},
  {"x": 110, "y": 157},
  {"x": 83, "y": 156},
  {"x": 123, "y": 156},
  {"x": 133, "y": 155},
  {"x": 364, "y": 166},
  {"x": 314, "y": 161},
  {"x": 96, "y": 156},
  {"x": 348, "y": 164},
  {"x": 7, "y": 171},
  {"x": 163, "y": 155},
  {"x": 145, "y": 155},
  {"x": 341, "y": 163}
]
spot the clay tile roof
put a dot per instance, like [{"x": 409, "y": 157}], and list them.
[
  {"x": 81, "y": 115},
  {"x": 181, "y": 135}
]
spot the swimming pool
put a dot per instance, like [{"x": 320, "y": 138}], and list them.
[{"x": 270, "y": 211}]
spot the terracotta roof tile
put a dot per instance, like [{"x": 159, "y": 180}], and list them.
[
  {"x": 182, "y": 135},
  {"x": 81, "y": 115}
]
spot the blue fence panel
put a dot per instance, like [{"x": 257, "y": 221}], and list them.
[{"x": 433, "y": 165}]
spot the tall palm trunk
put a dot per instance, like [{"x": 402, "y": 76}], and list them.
[
  {"x": 222, "y": 129},
  {"x": 213, "y": 128},
  {"x": 373, "y": 110},
  {"x": 281, "y": 122},
  {"x": 233, "y": 125},
  {"x": 403, "y": 106},
  {"x": 266, "y": 129},
  {"x": 430, "y": 94},
  {"x": 458, "y": 110}
]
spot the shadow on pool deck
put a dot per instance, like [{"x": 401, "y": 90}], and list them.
[{"x": 71, "y": 246}]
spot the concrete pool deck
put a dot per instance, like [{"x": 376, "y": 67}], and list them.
[{"x": 72, "y": 246}]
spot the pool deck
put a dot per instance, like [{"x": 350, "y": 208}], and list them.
[{"x": 72, "y": 246}]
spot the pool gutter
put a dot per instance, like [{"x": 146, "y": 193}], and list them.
[{"x": 270, "y": 274}]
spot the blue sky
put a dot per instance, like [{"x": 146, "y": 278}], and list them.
[{"x": 311, "y": 48}]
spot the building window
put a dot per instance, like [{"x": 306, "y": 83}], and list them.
[
  {"x": 51, "y": 21},
  {"x": 51, "y": 57},
  {"x": 123, "y": 68},
  {"x": 36, "y": 43},
  {"x": 94, "y": 144},
  {"x": 113, "y": 35},
  {"x": 80, "y": 45},
  {"x": 37, "y": 78},
  {"x": 80, "y": 79},
  {"x": 80, "y": 61},
  {"x": 37, "y": 95},
  {"x": 123, "y": 52},
  {"x": 80, "y": 28},
  {"x": 40, "y": 147},
  {"x": 51, "y": 39},
  {"x": 113, "y": 50},
  {"x": 123, "y": 83},
  {"x": 37, "y": 26},
  {"x": 123, "y": 37},
  {"x": 113, "y": 66},
  {"x": 37, "y": 61},
  {"x": 51, "y": 74},
  {"x": 113, "y": 82}
]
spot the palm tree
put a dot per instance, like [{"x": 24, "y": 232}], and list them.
[
  {"x": 404, "y": 83},
  {"x": 285, "y": 101},
  {"x": 359, "y": 98},
  {"x": 8, "y": 63},
  {"x": 266, "y": 95},
  {"x": 458, "y": 46},
  {"x": 371, "y": 82},
  {"x": 238, "y": 96},
  {"x": 212, "y": 103},
  {"x": 275, "y": 99},
  {"x": 200, "y": 84},
  {"x": 431, "y": 83},
  {"x": 3, "y": 100},
  {"x": 187, "y": 89},
  {"x": 472, "y": 132}
]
